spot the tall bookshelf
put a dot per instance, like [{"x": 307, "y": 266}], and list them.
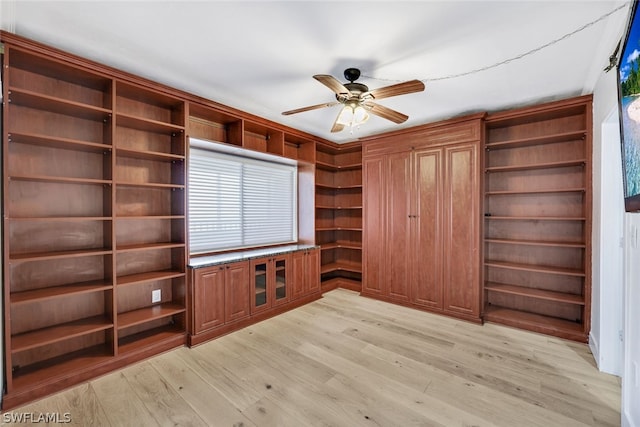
[
  {"x": 538, "y": 218},
  {"x": 150, "y": 215},
  {"x": 94, "y": 216},
  {"x": 339, "y": 215}
]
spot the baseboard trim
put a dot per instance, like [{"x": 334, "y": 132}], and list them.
[{"x": 595, "y": 349}]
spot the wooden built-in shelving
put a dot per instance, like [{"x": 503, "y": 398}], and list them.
[
  {"x": 94, "y": 180},
  {"x": 339, "y": 214},
  {"x": 537, "y": 254},
  {"x": 91, "y": 164}
]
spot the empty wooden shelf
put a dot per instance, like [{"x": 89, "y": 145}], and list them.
[{"x": 537, "y": 255}]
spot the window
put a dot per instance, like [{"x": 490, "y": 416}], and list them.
[{"x": 239, "y": 202}]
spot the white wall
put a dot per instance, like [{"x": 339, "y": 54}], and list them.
[
  {"x": 608, "y": 227},
  {"x": 631, "y": 375},
  {"x": 616, "y": 272}
]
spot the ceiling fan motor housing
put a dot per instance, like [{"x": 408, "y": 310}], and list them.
[{"x": 352, "y": 74}]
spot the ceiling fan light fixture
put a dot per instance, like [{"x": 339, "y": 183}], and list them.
[
  {"x": 360, "y": 115},
  {"x": 352, "y": 115}
]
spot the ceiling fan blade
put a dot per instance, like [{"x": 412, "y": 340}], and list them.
[
  {"x": 386, "y": 112},
  {"x": 398, "y": 89},
  {"x": 333, "y": 84},
  {"x": 309, "y": 108},
  {"x": 337, "y": 127}
]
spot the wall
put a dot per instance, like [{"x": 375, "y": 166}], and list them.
[
  {"x": 608, "y": 228},
  {"x": 616, "y": 271},
  {"x": 631, "y": 376}
]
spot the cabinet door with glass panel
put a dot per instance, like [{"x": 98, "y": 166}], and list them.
[{"x": 270, "y": 282}]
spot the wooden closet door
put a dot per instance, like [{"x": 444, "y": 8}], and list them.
[
  {"x": 399, "y": 250},
  {"x": 461, "y": 230},
  {"x": 373, "y": 217},
  {"x": 427, "y": 281}
]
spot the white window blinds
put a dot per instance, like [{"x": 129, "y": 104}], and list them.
[{"x": 239, "y": 202}]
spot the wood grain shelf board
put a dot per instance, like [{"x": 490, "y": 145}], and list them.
[
  {"x": 341, "y": 245},
  {"x": 339, "y": 187},
  {"x": 534, "y": 218},
  {"x": 332, "y": 167},
  {"x": 536, "y": 268},
  {"x": 531, "y": 320},
  {"x": 147, "y": 314},
  {"x": 60, "y": 218},
  {"x": 142, "y": 341},
  {"x": 543, "y": 191},
  {"x": 338, "y": 207},
  {"x": 39, "y": 101},
  {"x": 61, "y": 367},
  {"x": 40, "y": 256},
  {"x": 338, "y": 228},
  {"x": 149, "y": 246},
  {"x": 61, "y": 332},
  {"x": 56, "y": 142},
  {"x": 537, "y": 140},
  {"x": 149, "y": 185},
  {"x": 59, "y": 291},
  {"x": 536, "y": 243},
  {"x": 534, "y": 166},
  {"x": 59, "y": 179},
  {"x": 535, "y": 293},
  {"x": 144, "y": 124},
  {"x": 134, "y": 279},
  {"x": 150, "y": 217},
  {"x": 341, "y": 266},
  {"x": 149, "y": 155}
]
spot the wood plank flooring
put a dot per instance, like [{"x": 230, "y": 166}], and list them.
[{"x": 347, "y": 360}]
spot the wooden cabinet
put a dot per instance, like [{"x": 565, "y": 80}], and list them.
[
  {"x": 538, "y": 218},
  {"x": 306, "y": 272},
  {"x": 220, "y": 295},
  {"x": 242, "y": 288},
  {"x": 270, "y": 282},
  {"x": 338, "y": 205},
  {"x": 421, "y": 218}
]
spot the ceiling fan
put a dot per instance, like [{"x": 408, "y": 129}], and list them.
[{"x": 358, "y": 100}]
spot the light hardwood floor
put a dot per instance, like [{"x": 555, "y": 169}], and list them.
[{"x": 346, "y": 360}]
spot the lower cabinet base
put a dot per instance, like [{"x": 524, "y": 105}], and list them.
[
  {"x": 84, "y": 369},
  {"x": 218, "y": 331},
  {"x": 341, "y": 282},
  {"x": 457, "y": 315}
]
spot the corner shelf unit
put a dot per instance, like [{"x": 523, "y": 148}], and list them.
[
  {"x": 338, "y": 187},
  {"x": 94, "y": 216},
  {"x": 537, "y": 223}
]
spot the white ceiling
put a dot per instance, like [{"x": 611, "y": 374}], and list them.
[{"x": 260, "y": 56}]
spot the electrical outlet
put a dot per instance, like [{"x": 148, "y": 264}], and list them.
[{"x": 156, "y": 295}]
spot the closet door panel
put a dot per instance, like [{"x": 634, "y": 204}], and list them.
[
  {"x": 461, "y": 228},
  {"x": 373, "y": 217},
  {"x": 399, "y": 218},
  {"x": 427, "y": 284}
]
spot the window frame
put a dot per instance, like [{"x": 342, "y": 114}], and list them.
[{"x": 249, "y": 157}]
